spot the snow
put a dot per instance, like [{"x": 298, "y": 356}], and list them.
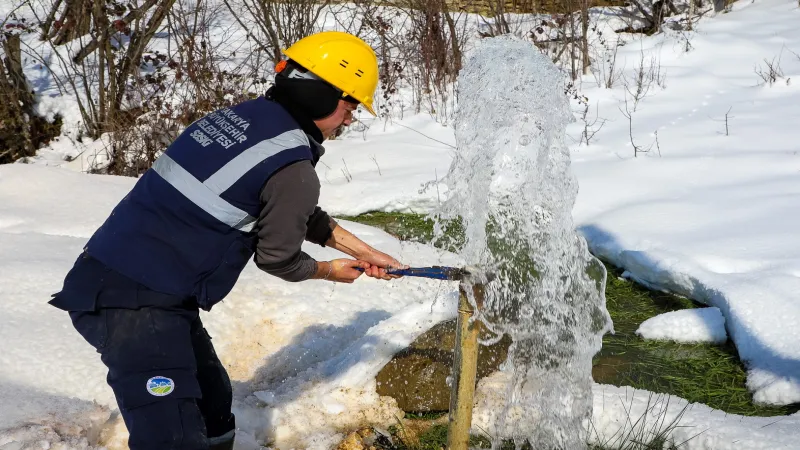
[
  {"x": 311, "y": 350},
  {"x": 623, "y": 414},
  {"x": 390, "y": 170},
  {"x": 708, "y": 215},
  {"x": 714, "y": 217},
  {"x": 688, "y": 325}
]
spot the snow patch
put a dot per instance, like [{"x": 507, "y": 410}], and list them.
[
  {"x": 689, "y": 325},
  {"x": 627, "y": 416}
]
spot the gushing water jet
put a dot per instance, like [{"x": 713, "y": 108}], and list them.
[{"x": 511, "y": 187}]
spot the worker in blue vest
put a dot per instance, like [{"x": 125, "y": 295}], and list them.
[{"x": 236, "y": 185}]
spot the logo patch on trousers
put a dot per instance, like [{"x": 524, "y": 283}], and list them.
[{"x": 160, "y": 386}]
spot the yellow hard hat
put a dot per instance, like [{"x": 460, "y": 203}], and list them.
[{"x": 341, "y": 59}]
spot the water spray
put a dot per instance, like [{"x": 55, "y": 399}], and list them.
[{"x": 511, "y": 189}]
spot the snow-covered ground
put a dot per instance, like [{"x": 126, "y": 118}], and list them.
[
  {"x": 705, "y": 214},
  {"x": 715, "y": 216},
  {"x": 623, "y": 414},
  {"x": 303, "y": 356}
]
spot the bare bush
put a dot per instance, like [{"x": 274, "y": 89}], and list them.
[
  {"x": 99, "y": 67},
  {"x": 74, "y": 19},
  {"x": 604, "y": 67},
  {"x": 375, "y": 160},
  {"x": 346, "y": 172},
  {"x": 143, "y": 98},
  {"x": 420, "y": 45},
  {"x": 637, "y": 148},
  {"x": 771, "y": 71},
  {"x": 563, "y": 34},
  {"x": 211, "y": 72},
  {"x": 437, "y": 51},
  {"x": 496, "y": 18},
  {"x": 277, "y": 24},
  {"x": 200, "y": 74},
  {"x": 389, "y": 45},
  {"x": 645, "y": 75},
  {"x": 651, "y": 14},
  {"x": 560, "y": 29},
  {"x": 727, "y": 117},
  {"x": 590, "y": 126}
]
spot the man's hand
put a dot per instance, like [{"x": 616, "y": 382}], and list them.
[
  {"x": 379, "y": 263},
  {"x": 341, "y": 270},
  {"x": 346, "y": 242}
]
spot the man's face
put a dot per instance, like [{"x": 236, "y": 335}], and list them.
[{"x": 342, "y": 116}]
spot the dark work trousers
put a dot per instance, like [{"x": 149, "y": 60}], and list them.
[
  {"x": 172, "y": 346},
  {"x": 171, "y": 389}
]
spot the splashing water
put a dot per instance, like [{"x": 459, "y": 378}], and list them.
[{"x": 510, "y": 184}]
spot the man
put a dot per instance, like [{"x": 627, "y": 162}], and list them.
[{"x": 237, "y": 184}]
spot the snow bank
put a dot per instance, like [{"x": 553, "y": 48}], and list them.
[
  {"x": 626, "y": 415},
  {"x": 689, "y": 325},
  {"x": 310, "y": 350},
  {"x": 692, "y": 426}
]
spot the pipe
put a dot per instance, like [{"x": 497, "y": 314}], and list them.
[{"x": 465, "y": 366}]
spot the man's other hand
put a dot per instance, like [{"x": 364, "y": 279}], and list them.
[{"x": 342, "y": 270}]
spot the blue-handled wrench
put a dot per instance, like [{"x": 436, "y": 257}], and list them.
[{"x": 433, "y": 272}]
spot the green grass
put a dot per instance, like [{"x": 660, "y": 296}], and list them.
[
  {"x": 434, "y": 438},
  {"x": 410, "y": 227},
  {"x": 704, "y": 373},
  {"x": 428, "y": 415}
]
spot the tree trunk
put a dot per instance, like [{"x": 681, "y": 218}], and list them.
[
  {"x": 690, "y": 17},
  {"x": 585, "y": 35},
  {"x": 16, "y": 111},
  {"x": 48, "y": 21},
  {"x": 13, "y": 62},
  {"x": 456, "y": 48},
  {"x": 130, "y": 17},
  {"x": 75, "y": 21},
  {"x": 136, "y": 47}
]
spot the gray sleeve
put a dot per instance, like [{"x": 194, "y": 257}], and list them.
[{"x": 288, "y": 199}]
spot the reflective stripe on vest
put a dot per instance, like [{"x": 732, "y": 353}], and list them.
[{"x": 206, "y": 194}]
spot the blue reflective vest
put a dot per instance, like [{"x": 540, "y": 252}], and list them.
[{"x": 186, "y": 227}]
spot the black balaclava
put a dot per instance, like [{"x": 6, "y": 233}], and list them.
[{"x": 305, "y": 99}]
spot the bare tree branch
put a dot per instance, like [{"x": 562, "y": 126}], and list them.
[{"x": 126, "y": 20}]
